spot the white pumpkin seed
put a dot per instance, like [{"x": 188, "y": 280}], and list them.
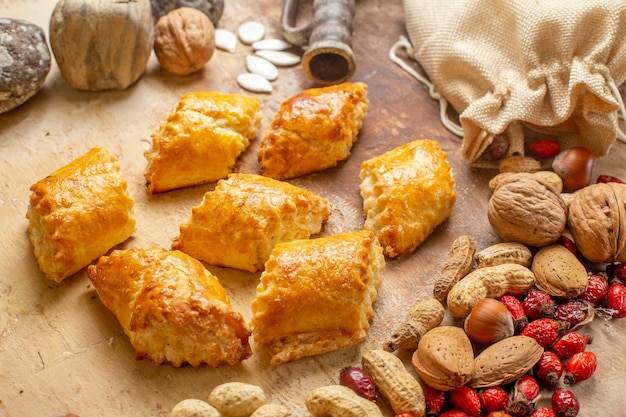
[
  {"x": 251, "y": 32},
  {"x": 280, "y": 58},
  {"x": 261, "y": 66},
  {"x": 225, "y": 40},
  {"x": 272, "y": 44},
  {"x": 254, "y": 82}
]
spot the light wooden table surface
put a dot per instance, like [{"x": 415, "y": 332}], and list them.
[{"x": 62, "y": 351}]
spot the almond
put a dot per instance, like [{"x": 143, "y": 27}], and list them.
[
  {"x": 505, "y": 361},
  {"x": 558, "y": 272},
  {"x": 444, "y": 358}
]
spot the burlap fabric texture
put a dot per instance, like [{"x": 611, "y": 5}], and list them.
[{"x": 515, "y": 66}]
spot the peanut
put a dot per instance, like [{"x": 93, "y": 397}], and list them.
[
  {"x": 271, "y": 410},
  {"x": 444, "y": 358},
  {"x": 549, "y": 177},
  {"x": 340, "y": 401},
  {"x": 458, "y": 264},
  {"x": 490, "y": 281},
  {"x": 237, "y": 399},
  {"x": 519, "y": 163},
  {"x": 496, "y": 180},
  {"x": 568, "y": 198},
  {"x": 194, "y": 408},
  {"x": 505, "y": 361},
  {"x": 504, "y": 253},
  {"x": 394, "y": 382},
  {"x": 421, "y": 318}
]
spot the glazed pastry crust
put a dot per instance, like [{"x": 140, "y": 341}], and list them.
[
  {"x": 313, "y": 130},
  {"x": 201, "y": 140},
  {"x": 172, "y": 309},
  {"x": 78, "y": 213},
  {"x": 407, "y": 192},
  {"x": 245, "y": 216},
  {"x": 316, "y": 295}
]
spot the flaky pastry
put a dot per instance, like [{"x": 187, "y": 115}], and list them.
[
  {"x": 245, "y": 216},
  {"x": 407, "y": 192},
  {"x": 313, "y": 130},
  {"x": 201, "y": 140},
  {"x": 172, "y": 309},
  {"x": 78, "y": 213},
  {"x": 317, "y": 295}
]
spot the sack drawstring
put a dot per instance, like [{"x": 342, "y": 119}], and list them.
[
  {"x": 443, "y": 103},
  {"x": 622, "y": 110}
]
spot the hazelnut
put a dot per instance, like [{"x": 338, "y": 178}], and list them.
[
  {"x": 574, "y": 166},
  {"x": 184, "y": 40},
  {"x": 489, "y": 321}
]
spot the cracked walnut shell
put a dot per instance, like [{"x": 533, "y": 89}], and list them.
[
  {"x": 525, "y": 209},
  {"x": 184, "y": 40},
  {"x": 597, "y": 222}
]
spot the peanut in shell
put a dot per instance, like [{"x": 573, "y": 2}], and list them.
[
  {"x": 457, "y": 265},
  {"x": 504, "y": 253},
  {"x": 489, "y": 281},
  {"x": 339, "y": 401},
  {"x": 394, "y": 382},
  {"x": 422, "y": 317}
]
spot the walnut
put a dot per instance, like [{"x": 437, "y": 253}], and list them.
[
  {"x": 184, "y": 40},
  {"x": 597, "y": 222},
  {"x": 525, "y": 209}
]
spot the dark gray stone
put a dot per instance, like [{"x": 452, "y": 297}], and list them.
[
  {"x": 212, "y": 8},
  {"x": 24, "y": 62}
]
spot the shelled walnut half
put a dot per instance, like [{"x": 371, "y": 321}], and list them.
[{"x": 184, "y": 40}]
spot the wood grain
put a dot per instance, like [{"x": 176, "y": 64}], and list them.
[{"x": 62, "y": 351}]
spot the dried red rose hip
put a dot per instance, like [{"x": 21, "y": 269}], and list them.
[
  {"x": 616, "y": 299},
  {"x": 549, "y": 368},
  {"x": 565, "y": 403},
  {"x": 608, "y": 178},
  {"x": 597, "y": 289},
  {"x": 617, "y": 271},
  {"x": 359, "y": 381},
  {"x": 580, "y": 366}
]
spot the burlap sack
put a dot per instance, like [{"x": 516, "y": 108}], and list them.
[{"x": 517, "y": 67}]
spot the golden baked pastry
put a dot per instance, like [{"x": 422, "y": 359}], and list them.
[
  {"x": 201, "y": 140},
  {"x": 172, "y": 309},
  {"x": 245, "y": 216},
  {"x": 78, "y": 213},
  {"x": 316, "y": 295},
  {"x": 407, "y": 192},
  {"x": 313, "y": 130}
]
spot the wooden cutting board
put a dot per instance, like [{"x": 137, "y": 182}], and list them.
[{"x": 62, "y": 351}]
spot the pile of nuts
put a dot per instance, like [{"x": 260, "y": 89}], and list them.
[
  {"x": 527, "y": 344},
  {"x": 522, "y": 306}
]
